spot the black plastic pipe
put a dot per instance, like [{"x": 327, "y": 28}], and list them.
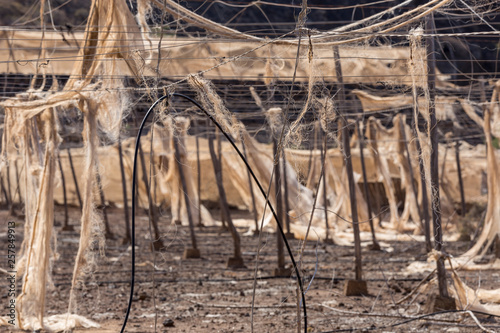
[{"x": 242, "y": 157}]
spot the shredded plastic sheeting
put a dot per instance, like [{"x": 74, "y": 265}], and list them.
[
  {"x": 108, "y": 28},
  {"x": 116, "y": 43},
  {"x": 57, "y": 323}
]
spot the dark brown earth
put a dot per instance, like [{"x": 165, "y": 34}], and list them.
[{"x": 202, "y": 295}]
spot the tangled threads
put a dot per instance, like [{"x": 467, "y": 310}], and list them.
[
  {"x": 327, "y": 114},
  {"x": 275, "y": 119},
  {"x": 212, "y": 102}
]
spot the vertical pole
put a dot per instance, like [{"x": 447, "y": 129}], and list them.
[
  {"x": 346, "y": 150},
  {"x": 198, "y": 166},
  {"x": 18, "y": 183},
  {"x": 311, "y": 167},
  {"x": 157, "y": 242},
  {"x": 66, "y": 226},
  {"x": 285, "y": 195},
  {"x": 175, "y": 139},
  {"x": 323, "y": 176},
  {"x": 312, "y": 146},
  {"x": 11, "y": 198},
  {"x": 4, "y": 191},
  {"x": 375, "y": 245},
  {"x": 75, "y": 180},
  {"x": 425, "y": 198},
  {"x": 238, "y": 259},
  {"x": 423, "y": 182},
  {"x": 433, "y": 136},
  {"x": 460, "y": 179},
  {"x": 250, "y": 186},
  {"x": 219, "y": 150},
  {"x": 126, "y": 239},
  {"x": 279, "y": 206},
  {"x": 9, "y": 188},
  {"x": 109, "y": 234},
  {"x": 410, "y": 166}
]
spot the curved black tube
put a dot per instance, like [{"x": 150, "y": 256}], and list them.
[
  {"x": 132, "y": 238},
  {"x": 242, "y": 157}
]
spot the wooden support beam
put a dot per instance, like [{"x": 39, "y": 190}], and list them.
[
  {"x": 18, "y": 183},
  {"x": 346, "y": 151},
  {"x": 460, "y": 179},
  {"x": 109, "y": 234},
  {"x": 279, "y": 206},
  {"x": 153, "y": 216},
  {"x": 375, "y": 245},
  {"x": 237, "y": 260},
  {"x": 127, "y": 238},
  {"x": 410, "y": 167},
  {"x": 194, "y": 252},
  {"x": 250, "y": 186},
  {"x": 9, "y": 190},
  {"x": 66, "y": 225},
  {"x": 286, "y": 216},
  {"x": 75, "y": 179},
  {"x": 434, "y": 162},
  {"x": 198, "y": 183},
  {"x": 219, "y": 150},
  {"x": 325, "y": 194}
]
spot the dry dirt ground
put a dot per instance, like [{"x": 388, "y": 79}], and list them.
[{"x": 202, "y": 295}]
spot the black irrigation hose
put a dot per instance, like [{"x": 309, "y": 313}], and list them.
[
  {"x": 132, "y": 240},
  {"x": 132, "y": 279}
]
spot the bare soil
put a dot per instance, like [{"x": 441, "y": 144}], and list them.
[{"x": 202, "y": 295}]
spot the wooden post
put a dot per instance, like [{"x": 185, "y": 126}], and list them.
[
  {"x": 126, "y": 239},
  {"x": 357, "y": 286},
  {"x": 9, "y": 189},
  {"x": 288, "y": 233},
  {"x": 434, "y": 165},
  {"x": 75, "y": 180},
  {"x": 280, "y": 271},
  {"x": 425, "y": 199},
  {"x": 4, "y": 191},
  {"x": 109, "y": 234},
  {"x": 323, "y": 175},
  {"x": 375, "y": 245},
  {"x": 193, "y": 252},
  {"x": 312, "y": 147},
  {"x": 18, "y": 184},
  {"x": 66, "y": 226},
  {"x": 237, "y": 260},
  {"x": 410, "y": 167},
  {"x": 157, "y": 242},
  {"x": 460, "y": 179},
  {"x": 311, "y": 167},
  {"x": 198, "y": 166},
  {"x": 219, "y": 149},
  {"x": 250, "y": 186}
]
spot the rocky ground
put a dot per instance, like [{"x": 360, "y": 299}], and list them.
[{"x": 173, "y": 294}]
